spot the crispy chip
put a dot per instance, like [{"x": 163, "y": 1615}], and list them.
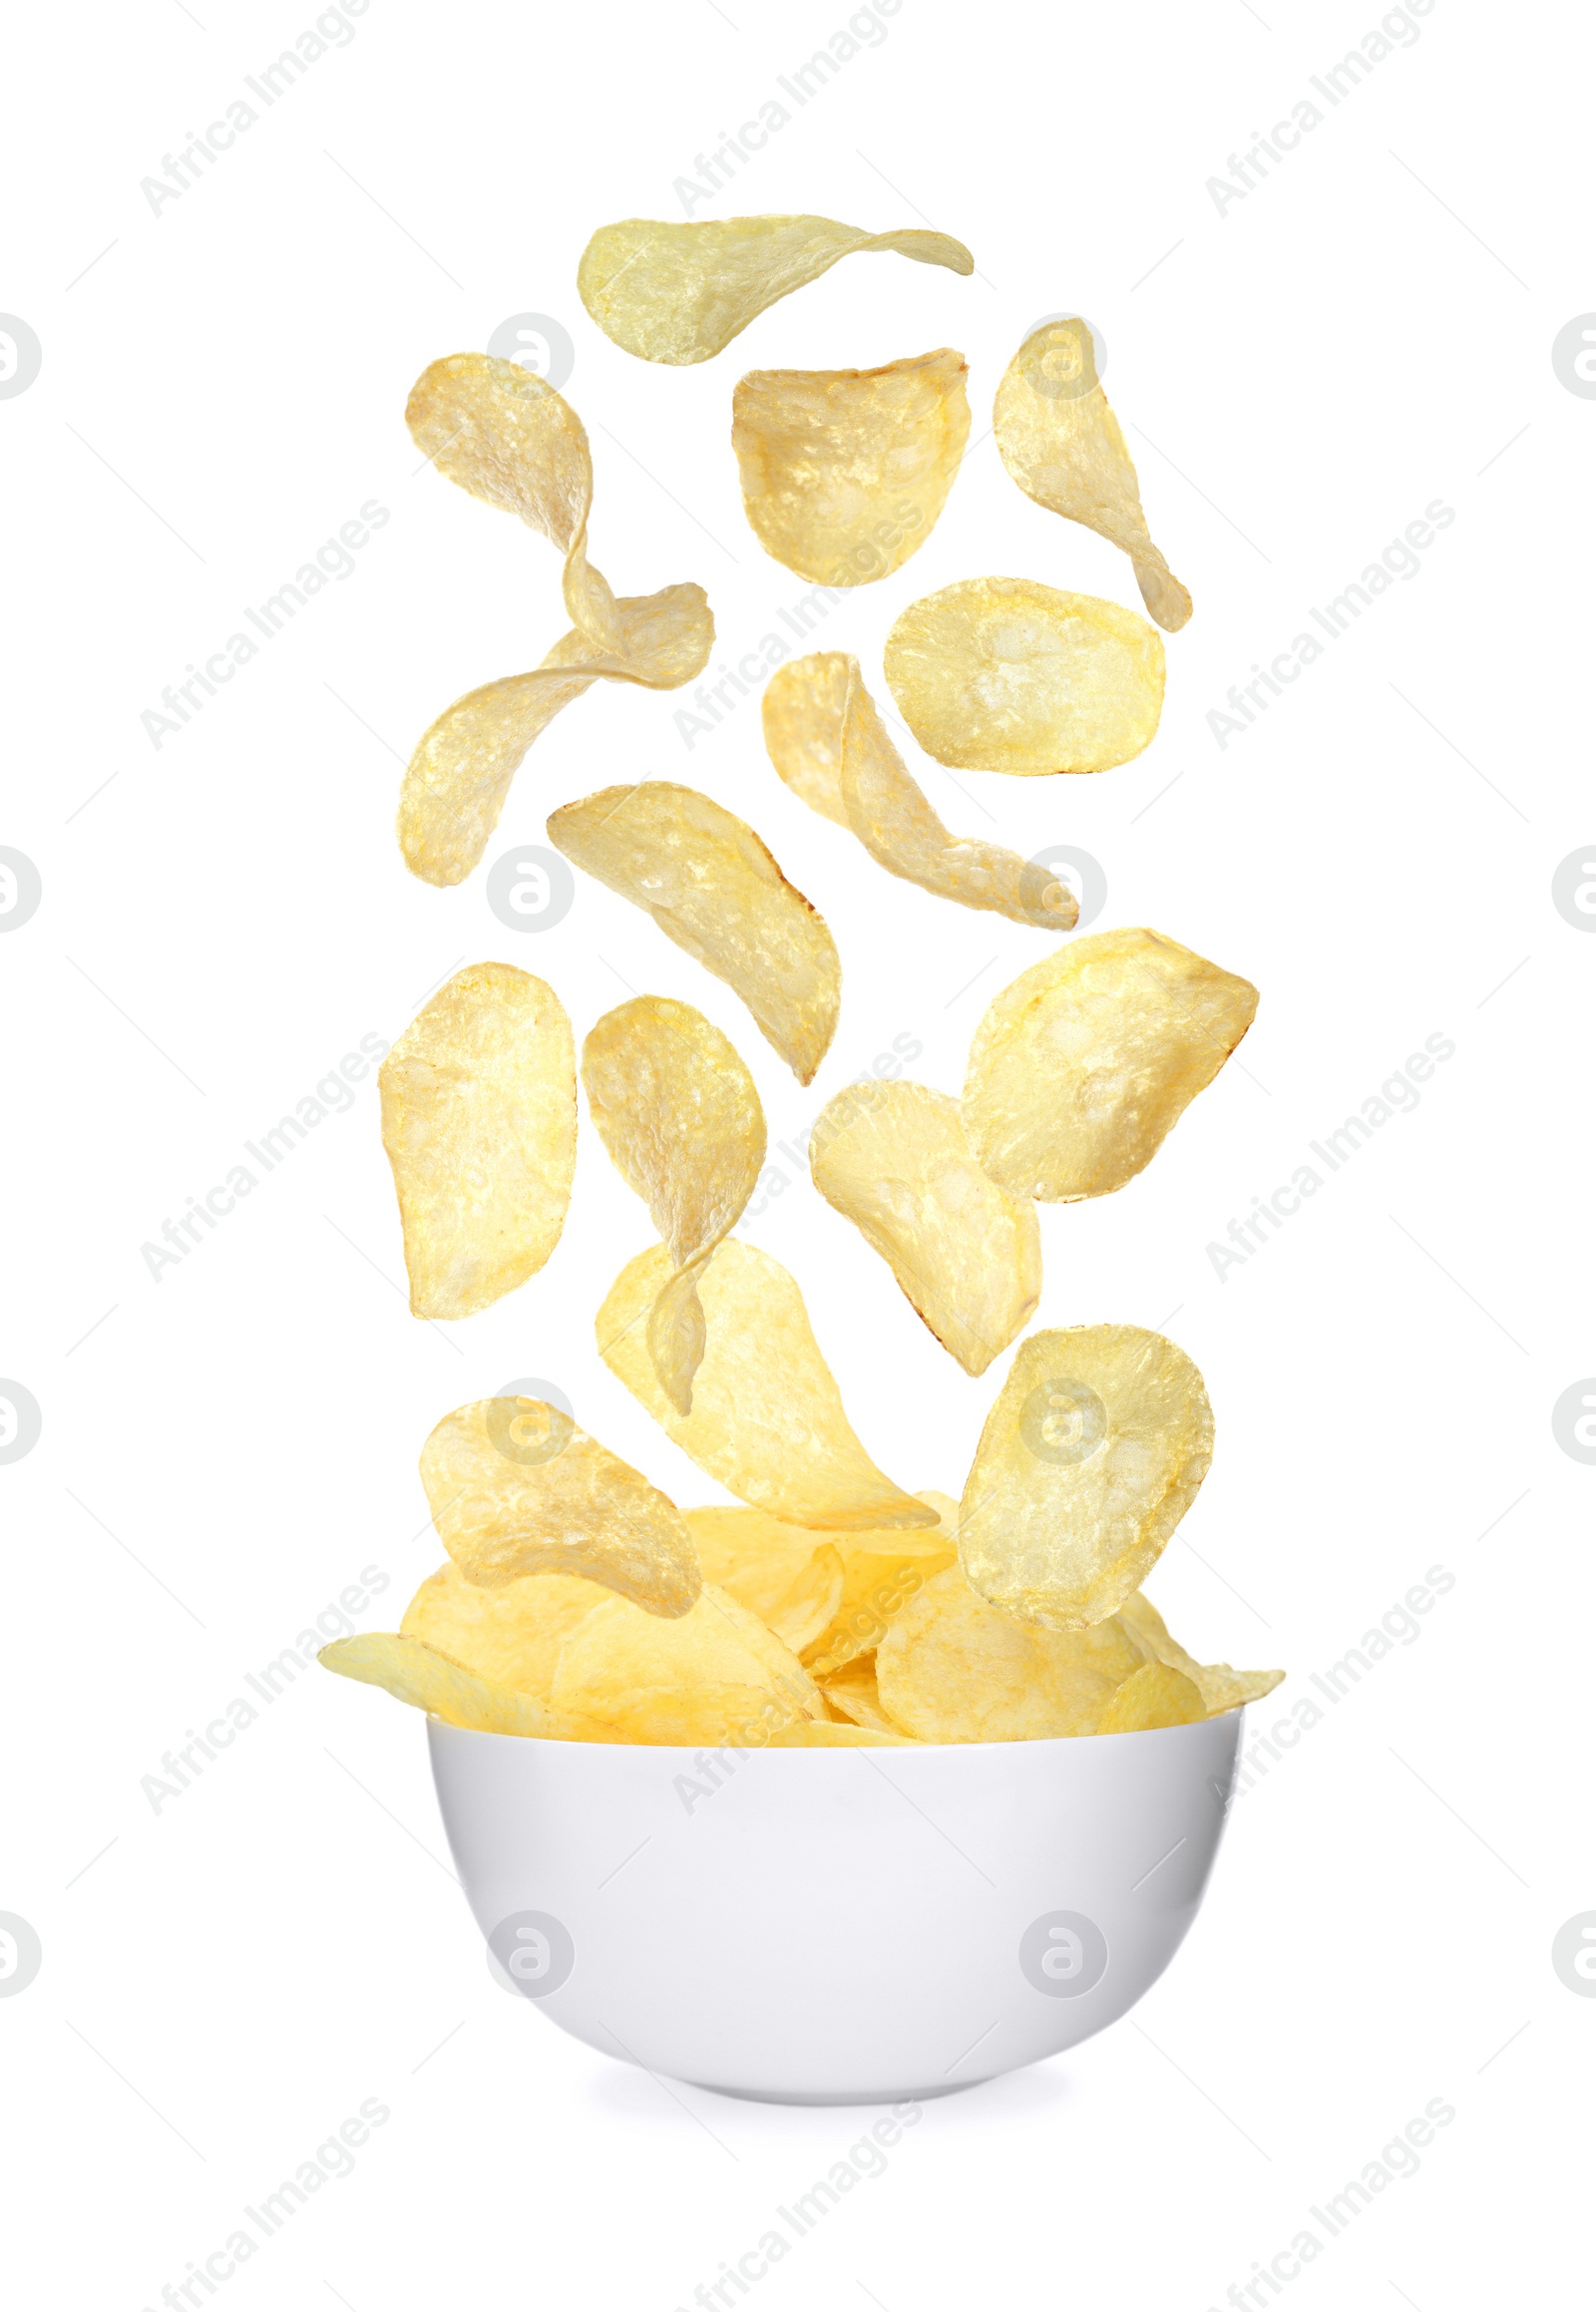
[
  {"x": 853, "y": 1691},
  {"x": 418, "y": 1675},
  {"x": 681, "y": 1116},
  {"x": 1152, "y": 1695},
  {"x": 783, "y": 1572},
  {"x": 766, "y": 1418},
  {"x": 1140, "y": 1615},
  {"x": 1225, "y": 1688},
  {"x": 953, "y": 1668},
  {"x": 506, "y": 437},
  {"x": 680, "y": 292},
  {"x": 514, "y": 1487},
  {"x": 1061, "y": 443},
  {"x": 712, "y": 886},
  {"x": 881, "y": 1573},
  {"x": 827, "y": 1735},
  {"x": 1004, "y": 675},
  {"x": 828, "y": 742},
  {"x": 892, "y": 1157},
  {"x": 845, "y": 471},
  {"x": 479, "y": 1118},
  {"x": 1090, "y": 1457},
  {"x": 507, "y": 1636},
  {"x": 1082, "y": 1064},
  {"x": 729, "y": 1676}
]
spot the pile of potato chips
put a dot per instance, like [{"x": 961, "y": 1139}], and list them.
[{"x": 833, "y": 1607}]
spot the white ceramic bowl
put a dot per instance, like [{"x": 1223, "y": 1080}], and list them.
[{"x": 836, "y": 1926}]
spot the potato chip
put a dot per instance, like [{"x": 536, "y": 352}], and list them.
[
  {"x": 955, "y": 1668},
  {"x": 1090, "y": 1457},
  {"x": 728, "y": 1672},
  {"x": 893, "y": 1158},
  {"x": 514, "y": 1487},
  {"x": 418, "y": 1675},
  {"x": 827, "y": 1735},
  {"x": 845, "y": 471},
  {"x": 505, "y": 435},
  {"x": 1152, "y": 1695},
  {"x": 712, "y": 886},
  {"x": 828, "y": 742},
  {"x": 783, "y": 1572},
  {"x": 478, "y": 1119},
  {"x": 1083, "y": 1063},
  {"x": 506, "y": 1637},
  {"x": 1004, "y": 675},
  {"x": 681, "y": 1116},
  {"x": 1141, "y": 1616},
  {"x": 1061, "y": 443},
  {"x": 767, "y": 1420},
  {"x": 853, "y": 1691},
  {"x": 680, "y": 292},
  {"x": 881, "y": 1573},
  {"x": 1225, "y": 1688}
]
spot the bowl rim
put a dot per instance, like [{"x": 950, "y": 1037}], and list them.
[{"x": 1236, "y": 1710}]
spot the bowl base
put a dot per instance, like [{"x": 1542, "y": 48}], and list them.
[{"x": 884, "y": 2096}]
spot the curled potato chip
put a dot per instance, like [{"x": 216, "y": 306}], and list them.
[
  {"x": 766, "y": 1419},
  {"x": 478, "y": 1119},
  {"x": 828, "y": 742},
  {"x": 1061, "y": 443},
  {"x": 893, "y": 1158},
  {"x": 785, "y": 1574},
  {"x": 680, "y": 292},
  {"x": 955, "y": 1668},
  {"x": 514, "y": 1487},
  {"x": 1004, "y": 675},
  {"x": 1082, "y": 1064},
  {"x": 853, "y": 1691},
  {"x": 507, "y": 1636},
  {"x": 1089, "y": 1459},
  {"x": 1152, "y": 1695},
  {"x": 417, "y": 1673},
  {"x": 505, "y": 435},
  {"x": 881, "y": 1573},
  {"x": 712, "y": 886},
  {"x": 681, "y": 1116},
  {"x": 729, "y": 1674},
  {"x": 845, "y": 471}
]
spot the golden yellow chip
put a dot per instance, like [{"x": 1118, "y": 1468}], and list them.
[
  {"x": 845, "y": 471},
  {"x": 712, "y": 886},
  {"x": 418, "y": 1675},
  {"x": 785, "y": 1574},
  {"x": 1152, "y": 1695},
  {"x": 828, "y": 742},
  {"x": 506, "y": 436},
  {"x": 767, "y": 1420},
  {"x": 681, "y": 1116},
  {"x": 514, "y": 1487},
  {"x": 881, "y": 1573},
  {"x": 828, "y": 1735},
  {"x": 955, "y": 1668},
  {"x": 507, "y": 1636},
  {"x": 893, "y": 1158},
  {"x": 1141, "y": 1616},
  {"x": 1004, "y": 675},
  {"x": 479, "y": 1118},
  {"x": 680, "y": 292},
  {"x": 1061, "y": 443},
  {"x": 1082, "y": 1064},
  {"x": 1225, "y": 1688},
  {"x": 853, "y": 1691},
  {"x": 1089, "y": 1459},
  {"x": 728, "y": 1672}
]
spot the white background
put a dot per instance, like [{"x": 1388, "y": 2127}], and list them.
[{"x": 226, "y": 1980}]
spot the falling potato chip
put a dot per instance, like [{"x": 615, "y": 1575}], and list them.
[
  {"x": 1061, "y": 443},
  {"x": 1090, "y": 1457},
  {"x": 1004, "y": 675},
  {"x": 827, "y": 1735},
  {"x": 845, "y": 471},
  {"x": 681, "y": 1116},
  {"x": 1152, "y": 1695},
  {"x": 893, "y": 1158},
  {"x": 1083, "y": 1063},
  {"x": 478, "y": 1119},
  {"x": 505, "y": 435},
  {"x": 712, "y": 886},
  {"x": 415, "y": 1673},
  {"x": 514, "y": 1487},
  {"x": 680, "y": 292},
  {"x": 728, "y": 1672},
  {"x": 766, "y": 1419},
  {"x": 853, "y": 1691},
  {"x": 783, "y": 1572},
  {"x": 507, "y": 1636},
  {"x": 955, "y": 1668},
  {"x": 828, "y": 742}
]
